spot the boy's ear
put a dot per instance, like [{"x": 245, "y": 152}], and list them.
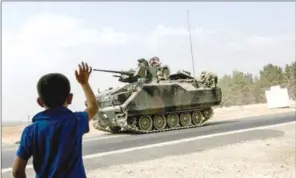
[
  {"x": 40, "y": 102},
  {"x": 70, "y": 98}
]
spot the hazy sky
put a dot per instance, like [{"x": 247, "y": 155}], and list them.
[{"x": 55, "y": 36}]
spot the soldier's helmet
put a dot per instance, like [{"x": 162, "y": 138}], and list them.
[
  {"x": 142, "y": 62},
  {"x": 203, "y": 73},
  {"x": 154, "y": 61},
  {"x": 151, "y": 61}
]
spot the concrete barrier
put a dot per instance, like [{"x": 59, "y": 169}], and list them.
[{"x": 277, "y": 97}]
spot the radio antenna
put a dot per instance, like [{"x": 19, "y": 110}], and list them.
[{"x": 190, "y": 40}]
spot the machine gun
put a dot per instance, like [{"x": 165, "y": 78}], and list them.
[
  {"x": 129, "y": 73},
  {"x": 125, "y": 76}
]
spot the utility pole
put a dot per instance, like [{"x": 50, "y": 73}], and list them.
[{"x": 190, "y": 40}]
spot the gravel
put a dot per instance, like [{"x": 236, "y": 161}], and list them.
[{"x": 273, "y": 157}]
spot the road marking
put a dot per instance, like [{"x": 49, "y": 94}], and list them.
[
  {"x": 9, "y": 149},
  {"x": 168, "y": 143},
  {"x": 85, "y": 140},
  {"x": 104, "y": 137}
]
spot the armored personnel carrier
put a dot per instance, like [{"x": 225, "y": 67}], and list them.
[{"x": 153, "y": 100}]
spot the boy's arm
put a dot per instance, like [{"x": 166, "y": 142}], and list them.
[
  {"x": 82, "y": 76},
  {"x": 92, "y": 105},
  {"x": 23, "y": 155},
  {"x": 19, "y": 168}
]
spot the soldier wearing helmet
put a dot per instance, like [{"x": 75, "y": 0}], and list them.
[{"x": 154, "y": 62}]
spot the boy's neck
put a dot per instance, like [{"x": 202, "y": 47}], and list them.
[{"x": 65, "y": 106}]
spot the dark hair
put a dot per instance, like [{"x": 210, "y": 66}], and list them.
[{"x": 53, "y": 89}]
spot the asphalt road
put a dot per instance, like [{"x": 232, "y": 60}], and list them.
[{"x": 111, "y": 143}]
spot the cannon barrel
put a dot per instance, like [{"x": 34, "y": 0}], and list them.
[{"x": 115, "y": 71}]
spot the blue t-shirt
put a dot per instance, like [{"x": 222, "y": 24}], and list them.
[{"x": 54, "y": 140}]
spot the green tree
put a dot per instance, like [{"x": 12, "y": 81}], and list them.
[
  {"x": 290, "y": 79},
  {"x": 224, "y": 83},
  {"x": 271, "y": 75},
  {"x": 243, "y": 88}
]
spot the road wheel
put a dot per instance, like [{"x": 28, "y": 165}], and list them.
[
  {"x": 159, "y": 122},
  {"x": 207, "y": 114},
  {"x": 185, "y": 119},
  {"x": 196, "y": 118},
  {"x": 145, "y": 123},
  {"x": 173, "y": 120}
]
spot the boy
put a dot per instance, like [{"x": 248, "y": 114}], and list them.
[{"x": 54, "y": 139}]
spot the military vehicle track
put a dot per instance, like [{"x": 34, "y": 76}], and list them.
[{"x": 190, "y": 123}]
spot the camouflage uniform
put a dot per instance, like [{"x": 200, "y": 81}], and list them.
[
  {"x": 162, "y": 71},
  {"x": 208, "y": 79}
]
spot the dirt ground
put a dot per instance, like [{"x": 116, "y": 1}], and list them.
[
  {"x": 11, "y": 134},
  {"x": 272, "y": 157},
  {"x": 247, "y": 111}
]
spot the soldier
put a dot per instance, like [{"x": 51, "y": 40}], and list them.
[
  {"x": 155, "y": 62},
  {"x": 142, "y": 62},
  {"x": 162, "y": 71},
  {"x": 142, "y": 70},
  {"x": 209, "y": 79}
]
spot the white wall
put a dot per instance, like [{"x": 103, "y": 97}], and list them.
[{"x": 277, "y": 97}]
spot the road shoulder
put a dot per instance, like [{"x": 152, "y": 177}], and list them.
[{"x": 267, "y": 157}]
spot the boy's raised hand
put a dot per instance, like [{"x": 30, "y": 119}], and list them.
[
  {"x": 84, "y": 72},
  {"x": 82, "y": 77}
]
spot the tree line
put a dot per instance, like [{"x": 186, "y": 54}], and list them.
[{"x": 241, "y": 88}]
